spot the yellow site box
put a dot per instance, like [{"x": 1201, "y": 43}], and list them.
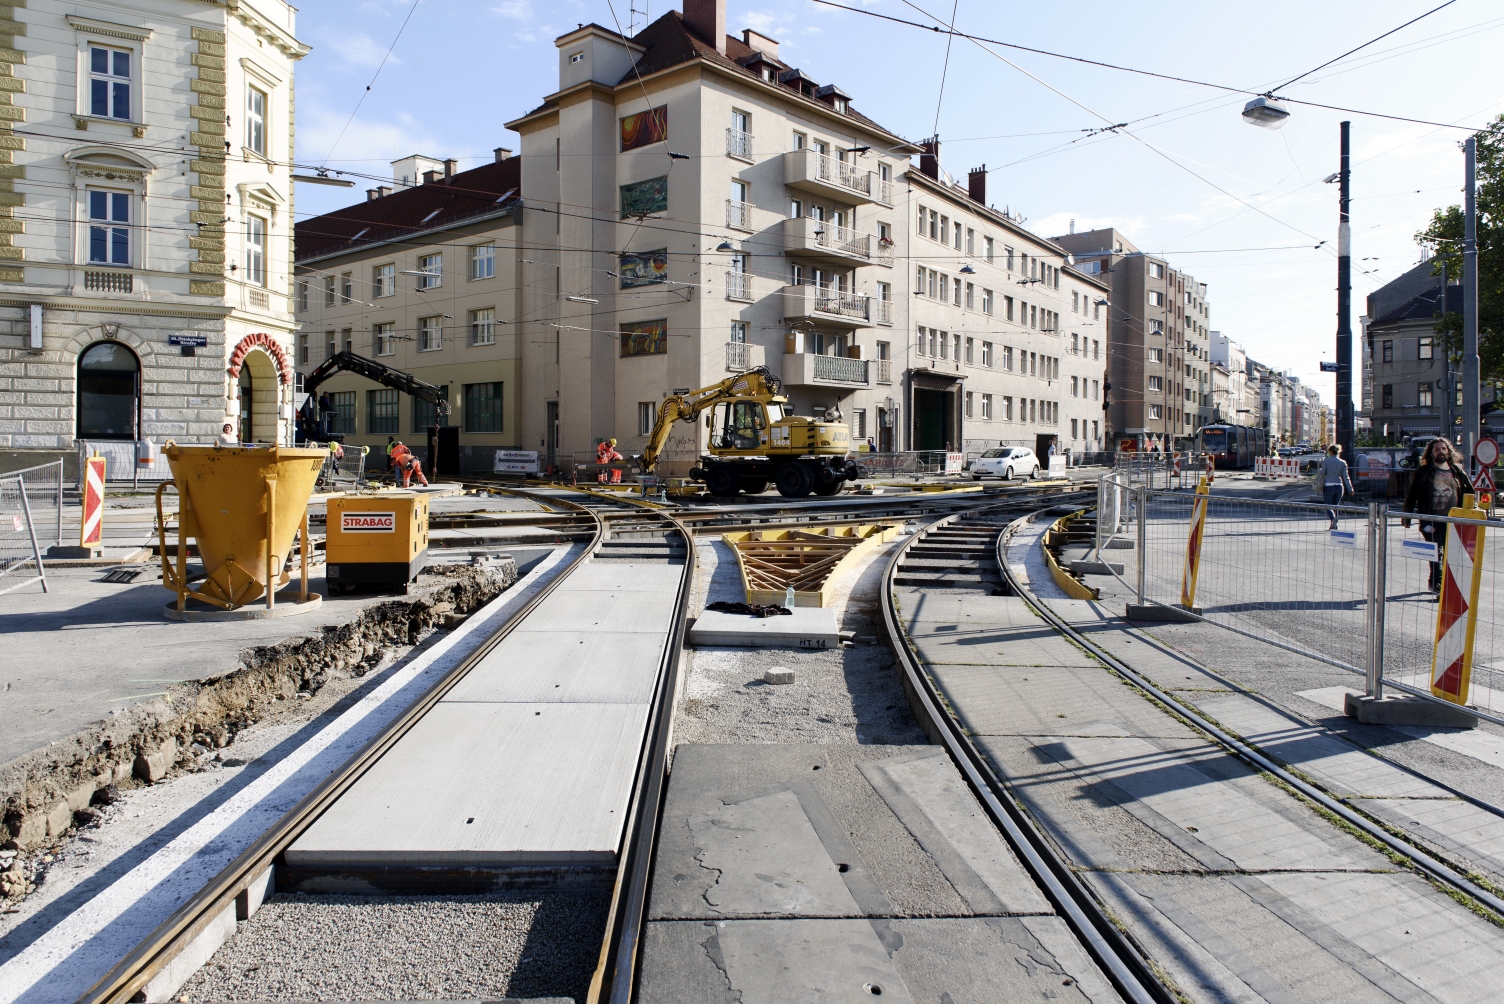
[{"x": 375, "y": 540}]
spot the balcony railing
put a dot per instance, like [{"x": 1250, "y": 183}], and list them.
[
  {"x": 109, "y": 282},
  {"x": 844, "y": 239},
  {"x": 743, "y": 356},
  {"x": 884, "y": 370},
  {"x": 738, "y": 285},
  {"x": 738, "y": 214},
  {"x": 846, "y": 175},
  {"x": 884, "y": 192},
  {"x": 738, "y": 144},
  {"x": 829, "y": 302},
  {"x": 840, "y": 368},
  {"x": 883, "y": 311},
  {"x": 258, "y": 299}
]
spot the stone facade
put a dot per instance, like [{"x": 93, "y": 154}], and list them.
[{"x": 146, "y": 198}]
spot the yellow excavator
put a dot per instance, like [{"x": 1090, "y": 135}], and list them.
[{"x": 753, "y": 441}]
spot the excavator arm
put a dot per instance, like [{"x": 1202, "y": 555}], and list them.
[
  {"x": 754, "y": 383},
  {"x": 382, "y": 374}
]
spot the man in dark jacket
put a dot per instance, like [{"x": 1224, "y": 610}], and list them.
[{"x": 1437, "y": 488}]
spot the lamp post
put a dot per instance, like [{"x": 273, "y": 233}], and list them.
[
  {"x": 1344, "y": 302},
  {"x": 1470, "y": 389}
]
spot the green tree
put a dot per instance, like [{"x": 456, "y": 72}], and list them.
[{"x": 1444, "y": 238}]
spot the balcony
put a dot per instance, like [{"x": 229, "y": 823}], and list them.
[
  {"x": 738, "y": 214},
  {"x": 884, "y": 370},
  {"x": 804, "y": 369},
  {"x": 739, "y": 144},
  {"x": 882, "y": 311},
  {"x": 827, "y": 306},
  {"x": 819, "y": 174},
  {"x": 811, "y": 238},
  {"x": 743, "y": 356},
  {"x": 738, "y": 286}
]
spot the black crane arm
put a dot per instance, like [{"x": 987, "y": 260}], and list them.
[{"x": 379, "y": 372}]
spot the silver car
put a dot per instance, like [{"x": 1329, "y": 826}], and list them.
[{"x": 1006, "y": 462}]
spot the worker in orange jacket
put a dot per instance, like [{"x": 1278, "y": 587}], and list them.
[
  {"x": 407, "y": 465},
  {"x": 605, "y": 453}
]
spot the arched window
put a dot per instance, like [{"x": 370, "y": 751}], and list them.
[{"x": 109, "y": 392}]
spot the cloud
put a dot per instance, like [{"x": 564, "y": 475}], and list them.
[
  {"x": 518, "y": 10},
  {"x": 360, "y": 49}
]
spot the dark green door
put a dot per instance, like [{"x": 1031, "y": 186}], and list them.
[{"x": 930, "y": 410}]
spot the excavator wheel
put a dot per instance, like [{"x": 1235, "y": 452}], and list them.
[
  {"x": 722, "y": 482},
  {"x": 754, "y": 486},
  {"x": 794, "y": 480},
  {"x": 832, "y": 488}
]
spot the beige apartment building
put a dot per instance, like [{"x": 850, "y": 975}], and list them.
[
  {"x": 146, "y": 202},
  {"x": 421, "y": 277},
  {"x": 1160, "y": 364},
  {"x": 695, "y": 206}
]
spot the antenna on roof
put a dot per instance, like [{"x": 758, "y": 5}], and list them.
[{"x": 632, "y": 15}]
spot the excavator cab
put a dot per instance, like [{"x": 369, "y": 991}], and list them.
[{"x": 741, "y": 427}]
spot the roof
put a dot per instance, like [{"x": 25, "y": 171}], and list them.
[
  {"x": 468, "y": 194},
  {"x": 1423, "y": 307}
]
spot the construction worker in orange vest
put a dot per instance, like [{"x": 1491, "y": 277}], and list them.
[
  {"x": 407, "y": 465},
  {"x": 605, "y": 453}
]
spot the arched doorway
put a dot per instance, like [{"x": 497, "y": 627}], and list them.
[
  {"x": 109, "y": 393},
  {"x": 259, "y": 398}
]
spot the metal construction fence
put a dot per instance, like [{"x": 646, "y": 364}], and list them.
[
  {"x": 1357, "y": 595},
  {"x": 25, "y": 525}
]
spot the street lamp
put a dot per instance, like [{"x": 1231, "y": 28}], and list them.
[{"x": 1265, "y": 112}]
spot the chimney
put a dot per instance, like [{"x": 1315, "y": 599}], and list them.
[
  {"x": 976, "y": 185},
  {"x": 929, "y": 160},
  {"x": 382, "y": 191},
  {"x": 707, "y": 19},
  {"x": 502, "y": 153},
  {"x": 372, "y": 194},
  {"x": 1073, "y": 226},
  {"x": 431, "y": 177},
  {"x": 451, "y": 168},
  {"x": 758, "y": 42}
]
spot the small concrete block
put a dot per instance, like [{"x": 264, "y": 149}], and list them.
[
  {"x": 1083, "y": 567},
  {"x": 1118, "y": 544},
  {"x": 152, "y": 765},
  {"x": 1407, "y": 711},
  {"x": 255, "y": 893},
  {"x": 778, "y": 674},
  {"x": 806, "y": 627},
  {"x": 59, "y": 818},
  {"x": 1155, "y": 612},
  {"x": 66, "y": 551}
]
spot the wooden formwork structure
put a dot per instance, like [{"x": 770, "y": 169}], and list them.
[{"x": 809, "y": 560}]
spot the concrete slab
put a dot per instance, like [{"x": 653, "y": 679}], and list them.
[
  {"x": 635, "y": 576},
  {"x": 489, "y": 785},
  {"x": 1049, "y": 700},
  {"x": 1404, "y": 709},
  {"x": 916, "y": 607},
  {"x": 531, "y": 666},
  {"x": 1476, "y": 743},
  {"x": 1461, "y": 828},
  {"x": 804, "y": 627},
  {"x": 609, "y": 611}
]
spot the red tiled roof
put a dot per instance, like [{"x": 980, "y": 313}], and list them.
[{"x": 468, "y": 193}]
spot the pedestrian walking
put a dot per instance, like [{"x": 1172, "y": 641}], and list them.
[
  {"x": 1436, "y": 489},
  {"x": 1334, "y": 480}
]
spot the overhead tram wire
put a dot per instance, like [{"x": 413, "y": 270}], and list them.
[
  {"x": 366, "y": 93},
  {"x": 1126, "y": 69},
  {"x": 1365, "y": 45}
]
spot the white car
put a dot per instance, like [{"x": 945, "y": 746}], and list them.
[{"x": 1006, "y": 462}]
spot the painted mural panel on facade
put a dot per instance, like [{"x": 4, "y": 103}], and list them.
[
  {"x": 642, "y": 198},
  {"x": 644, "y": 128},
  {"x": 644, "y": 338},
  {"x": 643, "y": 268}
]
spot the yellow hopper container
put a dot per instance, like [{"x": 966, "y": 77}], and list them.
[{"x": 242, "y": 505}]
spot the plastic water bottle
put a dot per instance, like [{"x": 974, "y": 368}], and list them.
[{"x": 788, "y": 597}]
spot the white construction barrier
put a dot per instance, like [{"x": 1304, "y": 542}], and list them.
[{"x": 1276, "y": 467}]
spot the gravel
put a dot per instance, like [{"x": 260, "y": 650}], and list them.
[{"x": 341, "y": 948}]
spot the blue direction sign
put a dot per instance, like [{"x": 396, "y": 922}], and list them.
[{"x": 197, "y": 341}]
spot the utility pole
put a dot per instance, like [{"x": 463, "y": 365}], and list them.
[
  {"x": 1445, "y": 387},
  {"x": 1345, "y": 304},
  {"x": 1470, "y": 389}
]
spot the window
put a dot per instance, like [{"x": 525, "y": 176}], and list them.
[
  {"x": 328, "y": 290},
  {"x": 255, "y": 252},
  {"x": 1095, "y": 387},
  {"x": 1007, "y": 358},
  {"x": 987, "y": 248},
  {"x": 859, "y": 423},
  {"x": 255, "y": 121},
  {"x": 430, "y": 334},
  {"x": 381, "y": 412},
  {"x": 109, "y": 227},
  {"x": 348, "y": 337},
  {"x": 1157, "y": 384},
  {"x": 343, "y": 419},
  {"x": 969, "y": 345},
  {"x": 987, "y": 407},
  {"x": 1156, "y": 270},
  {"x": 1156, "y": 326},
  {"x": 1008, "y": 307},
  {"x": 986, "y": 301},
  {"x": 1426, "y": 349},
  {"x": 956, "y": 236},
  {"x": 331, "y": 345},
  {"x": 796, "y": 209},
  {"x": 934, "y": 225},
  {"x": 483, "y": 261},
  {"x": 1156, "y": 298},
  {"x": 1074, "y": 391},
  {"x": 109, "y": 384},
  {"x": 1388, "y": 352},
  {"x": 483, "y": 326},
  {"x": 944, "y": 229},
  {"x": 110, "y": 83},
  {"x": 1388, "y": 396},
  {"x": 1157, "y": 412},
  {"x": 1096, "y": 349},
  {"x": 384, "y": 280},
  {"x": 971, "y": 241},
  {"x": 1073, "y": 429},
  {"x": 483, "y": 407},
  {"x": 385, "y": 339},
  {"x": 986, "y": 353},
  {"x": 302, "y": 295},
  {"x": 576, "y": 57},
  {"x": 1075, "y": 302},
  {"x": 1423, "y": 395},
  {"x": 944, "y": 287},
  {"x": 921, "y": 220},
  {"x": 433, "y": 264},
  {"x": 346, "y": 287},
  {"x": 956, "y": 294},
  {"x": 884, "y": 292},
  {"x": 647, "y": 416},
  {"x": 969, "y": 397},
  {"x": 944, "y": 344},
  {"x": 739, "y": 332}
]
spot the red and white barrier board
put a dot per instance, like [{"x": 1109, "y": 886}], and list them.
[
  {"x": 1276, "y": 467},
  {"x": 1457, "y": 608},
  {"x": 91, "y": 532}
]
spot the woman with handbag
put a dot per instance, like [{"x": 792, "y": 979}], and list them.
[{"x": 1436, "y": 489}]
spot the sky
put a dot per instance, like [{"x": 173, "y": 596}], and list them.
[{"x": 1243, "y": 209}]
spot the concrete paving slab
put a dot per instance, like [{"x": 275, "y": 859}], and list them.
[
  {"x": 917, "y": 606},
  {"x": 566, "y": 667},
  {"x": 803, "y": 627},
  {"x": 949, "y": 960},
  {"x": 1460, "y": 828},
  {"x": 1049, "y": 700},
  {"x": 609, "y": 611},
  {"x": 489, "y": 785},
  {"x": 1476, "y": 743},
  {"x": 635, "y": 576},
  {"x": 982, "y": 645}
]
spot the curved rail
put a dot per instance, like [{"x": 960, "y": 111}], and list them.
[
  {"x": 161, "y": 946},
  {"x": 1119, "y": 960},
  {"x": 1435, "y": 868}
]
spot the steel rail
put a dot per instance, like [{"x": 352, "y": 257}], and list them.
[
  {"x": 1121, "y": 962},
  {"x": 1434, "y": 867},
  {"x": 131, "y": 974}
]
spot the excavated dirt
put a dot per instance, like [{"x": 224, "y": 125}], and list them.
[{"x": 46, "y": 793}]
